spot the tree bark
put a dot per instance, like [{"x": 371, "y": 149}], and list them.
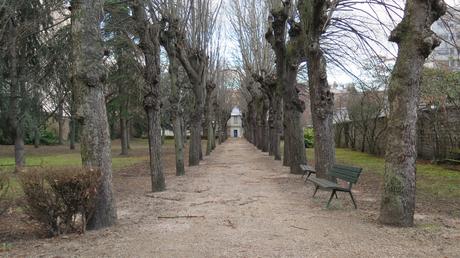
[
  {"x": 37, "y": 136},
  {"x": 209, "y": 113},
  {"x": 195, "y": 67},
  {"x": 289, "y": 54},
  {"x": 416, "y": 41},
  {"x": 60, "y": 120},
  {"x": 15, "y": 93},
  {"x": 314, "y": 18},
  {"x": 293, "y": 130},
  {"x": 123, "y": 120},
  {"x": 168, "y": 40},
  {"x": 88, "y": 88},
  {"x": 149, "y": 43}
]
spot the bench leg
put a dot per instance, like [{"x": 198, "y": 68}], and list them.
[
  {"x": 330, "y": 198},
  {"x": 353, "y": 200},
  {"x": 316, "y": 189},
  {"x": 336, "y": 197}
]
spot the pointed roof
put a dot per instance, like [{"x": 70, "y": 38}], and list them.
[{"x": 236, "y": 111}]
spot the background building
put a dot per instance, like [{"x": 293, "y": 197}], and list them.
[
  {"x": 235, "y": 124},
  {"x": 447, "y": 55}
]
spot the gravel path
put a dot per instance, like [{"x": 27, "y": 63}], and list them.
[{"x": 241, "y": 203}]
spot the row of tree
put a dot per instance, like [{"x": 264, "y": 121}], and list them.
[
  {"x": 149, "y": 64},
  {"x": 321, "y": 32}
]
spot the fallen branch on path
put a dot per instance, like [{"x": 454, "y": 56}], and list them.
[
  {"x": 177, "y": 199},
  {"x": 201, "y": 203},
  {"x": 248, "y": 202},
  {"x": 229, "y": 223},
  {"x": 181, "y": 217},
  {"x": 202, "y": 190},
  {"x": 299, "y": 227}
]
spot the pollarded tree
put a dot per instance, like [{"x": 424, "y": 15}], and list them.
[
  {"x": 315, "y": 16},
  {"x": 148, "y": 29},
  {"x": 248, "y": 19},
  {"x": 193, "y": 32},
  {"x": 88, "y": 76},
  {"x": 415, "y": 41},
  {"x": 289, "y": 52}
]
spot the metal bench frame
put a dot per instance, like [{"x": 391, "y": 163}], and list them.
[{"x": 345, "y": 173}]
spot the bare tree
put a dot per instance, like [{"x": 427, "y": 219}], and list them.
[
  {"x": 416, "y": 41},
  {"x": 148, "y": 28},
  {"x": 193, "y": 24},
  {"x": 289, "y": 54}
]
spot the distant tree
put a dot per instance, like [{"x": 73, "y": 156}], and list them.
[{"x": 440, "y": 94}]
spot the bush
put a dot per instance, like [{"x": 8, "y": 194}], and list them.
[
  {"x": 309, "y": 138},
  {"x": 4, "y": 187},
  {"x": 61, "y": 198},
  {"x": 46, "y": 138}
]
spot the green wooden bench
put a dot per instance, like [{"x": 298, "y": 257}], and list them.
[
  {"x": 345, "y": 173},
  {"x": 307, "y": 171}
]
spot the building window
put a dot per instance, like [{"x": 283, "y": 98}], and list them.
[
  {"x": 443, "y": 51},
  {"x": 235, "y": 120}
]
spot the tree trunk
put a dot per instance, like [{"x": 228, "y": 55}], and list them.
[
  {"x": 416, "y": 41},
  {"x": 152, "y": 108},
  {"x": 293, "y": 130},
  {"x": 288, "y": 55},
  {"x": 175, "y": 104},
  {"x": 88, "y": 87},
  {"x": 149, "y": 43},
  {"x": 15, "y": 93},
  {"x": 265, "y": 129},
  {"x": 60, "y": 120},
  {"x": 128, "y": 134},
  {"x": 123, "y": 120},
  {"x": 123, "y": 136},
  {"x": 195, "y": 136},
  {"x": 276, "y": 130},
  {"x": 179, "y": 146},
  {"x": 37, "y": 136},
  {"x": 313, "y": 16},
  {"x": 73, "y": 133},
  {"x": 322, "y": 106}
]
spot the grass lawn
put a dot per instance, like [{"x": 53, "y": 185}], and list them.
[
  {"x": 61, "y": 156},
  {"x": 435, "y": 180}
]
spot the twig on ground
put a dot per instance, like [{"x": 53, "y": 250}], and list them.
[
  {"x": 201, "y": 203},
  {"x": 181, "y": 217},
  {"x": 229, "y": 223},
  {"x": 177, "y": 199},
  {"x": 299, "y": 227}
]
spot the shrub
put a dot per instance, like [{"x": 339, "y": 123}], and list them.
[
  {"x": 61, "y": 199},
  {"x": 309, "y": 137},
  {"x": 4, "y": 187},
  {"x": 46, "y": 138}
]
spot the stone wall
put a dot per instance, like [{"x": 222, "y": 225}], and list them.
[{"x": 438, "y": 134}]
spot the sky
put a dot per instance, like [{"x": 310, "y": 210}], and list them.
[{"x": 230, "y": 48}]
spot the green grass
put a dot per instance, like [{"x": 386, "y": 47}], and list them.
[
  {"x": 434, "y": 180},
  {"x": 72, "y": 160},
  {"x": 48, "y": 156}
]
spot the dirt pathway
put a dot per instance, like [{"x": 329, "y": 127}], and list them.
[{"x": 241, "y": 203}]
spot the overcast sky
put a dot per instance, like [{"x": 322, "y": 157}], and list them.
[{"x": 230, "y": 49}]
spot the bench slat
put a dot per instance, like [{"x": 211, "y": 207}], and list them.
[{"x": 346, "y": 173}]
